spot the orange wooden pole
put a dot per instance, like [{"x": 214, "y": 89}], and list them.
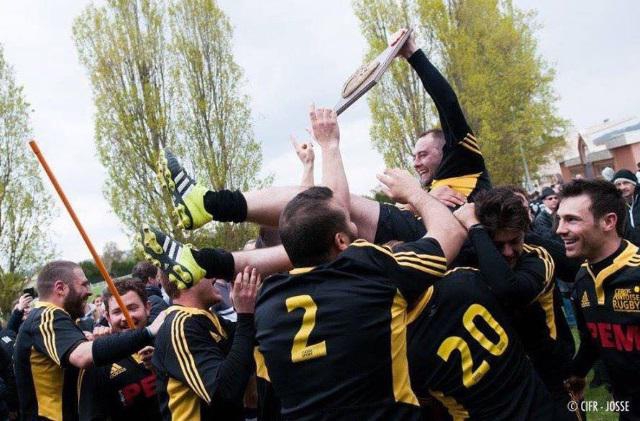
[{"x": 85, "y": 237}]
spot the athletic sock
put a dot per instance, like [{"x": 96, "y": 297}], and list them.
[
  {"x": 218, "y": 263},
  {"x": 226, "y": 205}
]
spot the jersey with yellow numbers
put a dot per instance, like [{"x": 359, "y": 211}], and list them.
[
  {"x": 464, "y": 352},
  {"x": 333, "y": 337}
]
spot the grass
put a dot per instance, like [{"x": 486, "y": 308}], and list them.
[{"x": 598, "y": 394}]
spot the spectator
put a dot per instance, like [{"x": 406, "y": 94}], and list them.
[
  {"x": 543, "y": 224},
  {"x": 151, "y": 276}
]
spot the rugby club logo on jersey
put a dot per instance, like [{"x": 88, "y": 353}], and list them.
[{"x": 627, "y": 300}]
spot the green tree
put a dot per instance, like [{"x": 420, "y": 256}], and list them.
[
  {"x": 488, "y": 52},
  {"x": 163, "y": 74},
  {"x": 213, "y": 118},
  {"x": 26, "y": 209},
  {"x": 91, "y": 271},
  {"x": 123, "y": 46}
]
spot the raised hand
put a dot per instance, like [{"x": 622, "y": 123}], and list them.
[
  {"x": 244, "y": 291},
  {"x": 408, "y": 48},
  {"x": 324, "y": 126},
  {"x": 304, "y": 151},
  {"x": 400, "y": 185}
]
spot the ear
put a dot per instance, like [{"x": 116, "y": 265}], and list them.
[
  {"x": 341, "y": 241},
  {"x": 609, "y": 222},
  {"x": 59, "y": 287},
  {"x": 147, "y": 308}
]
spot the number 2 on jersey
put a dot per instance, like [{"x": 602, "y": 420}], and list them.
[
  {"x": 452, "y": 343},
  {"x": 301, "y": 350}
]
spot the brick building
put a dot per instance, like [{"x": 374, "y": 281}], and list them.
[{"x": 614, "y": 144}]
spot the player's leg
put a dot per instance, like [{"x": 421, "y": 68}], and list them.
[
  {"x": 195, "y": 205},
  {"x": 185, "y": 265}
]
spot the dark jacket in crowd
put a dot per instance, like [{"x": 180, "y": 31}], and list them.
[{"x": 154, "y": 295}]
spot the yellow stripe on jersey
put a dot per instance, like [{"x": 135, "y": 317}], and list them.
[
  {"x": 48, "y": 381},
  {"x": 456, "y": 410},
  {"x": 470, "y": 146},
  {"x": 549, "y": 266},
  {"x": 420, "y": 262},
  {"x": 79, "y": 384},
  {"x": 184, "y": 404},
  {"x": 48, "y": 333},
  {"x": 546, "y": 302},
  {"x": 463, "y": 184},
  {"x": 619, "y": 262},
  {"x": 261, "y": 365},
  {"x": 399, "y": 361},
  {"x": 420, "y": 305},
  {"x": 422, "y": 256},
  {"x": 198, "y": 312},
  {"x": 457, "y": 268},
  {"x": 185, "y": 358}
]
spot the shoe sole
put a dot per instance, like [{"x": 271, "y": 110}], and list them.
[
  {"x": 181, "y": 215},
  {"x": 155, "y": 253}
]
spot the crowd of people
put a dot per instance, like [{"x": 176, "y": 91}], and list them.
[{"x": 444, "y": 305}]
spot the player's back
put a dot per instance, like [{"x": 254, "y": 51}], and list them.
[
  {"x": 464, "y": 352},
  {"x": 334, "y": 342}
]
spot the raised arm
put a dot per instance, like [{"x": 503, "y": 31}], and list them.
[
  {"x": 440, "y": 223},
  {"x": 307, "y": 157},
  {"x": 324, "y": 126}
]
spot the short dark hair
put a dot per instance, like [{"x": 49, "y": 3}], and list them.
[
  {"x": 308, "y": 225},
  {"x": 58, "y": 270},
  {"x": 500, "y": 209},
  {"x": 436, "y": 131},
  {"x": 605, "y": 198},
  {"x": 144, "y": 270},
  {"x": 171, "y": 288},
  {"x": 517, "y": 190},
  {"x": 123, "y": 286}
]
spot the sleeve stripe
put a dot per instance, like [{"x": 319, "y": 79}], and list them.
[
  {"x": 422, "y": 269},
  {"x": 402, "y": 260},
  {"x": 421, "y": 261},
  {"x": 549, "y": 266},
  {"x": 471, "y": 147},
  {"x": 422, "y": 256},
  {"x": 49, "y": 333},
  {"x": 185, "y": 358}
]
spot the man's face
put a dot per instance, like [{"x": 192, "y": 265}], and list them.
[
  {"x": 551, "y": 202},
  {"x": 77, "y": 294},
  {"x": 138, "y": 311},
  {"x": 427, "y": 156},
  {"x": 510, "y": 244},
  {"x": 626, "y": 188},
  {"x": 207, "y": 292},
  {"x": 581, "y": 233}
]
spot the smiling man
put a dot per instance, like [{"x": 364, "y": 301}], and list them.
[
  {"x": 592, "y": 218},
  {"x": 50, "y": 347},
  {"x": 126, "y": 389},
  {"x": 522, "y": 276}
]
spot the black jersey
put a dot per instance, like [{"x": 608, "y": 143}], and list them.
[
  {"x": 529, "y": 293},
  {"x": 190, "y": 354},
  {"x": 47, "y": 384},
  {"x": 333, "y": 337},
  {"x": 609, "y": 306},
  {"x": 124, "y": 390},
  {"x": 462, "y": 167},
  {"x": 464, "y": 352}
]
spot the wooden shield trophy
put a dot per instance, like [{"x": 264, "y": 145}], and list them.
[{"x": 368, "y": 75}]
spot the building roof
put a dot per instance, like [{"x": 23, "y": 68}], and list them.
[{"x": 599, "y": 139}]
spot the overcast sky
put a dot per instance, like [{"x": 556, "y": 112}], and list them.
[{"x": 293, "y": 52}]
